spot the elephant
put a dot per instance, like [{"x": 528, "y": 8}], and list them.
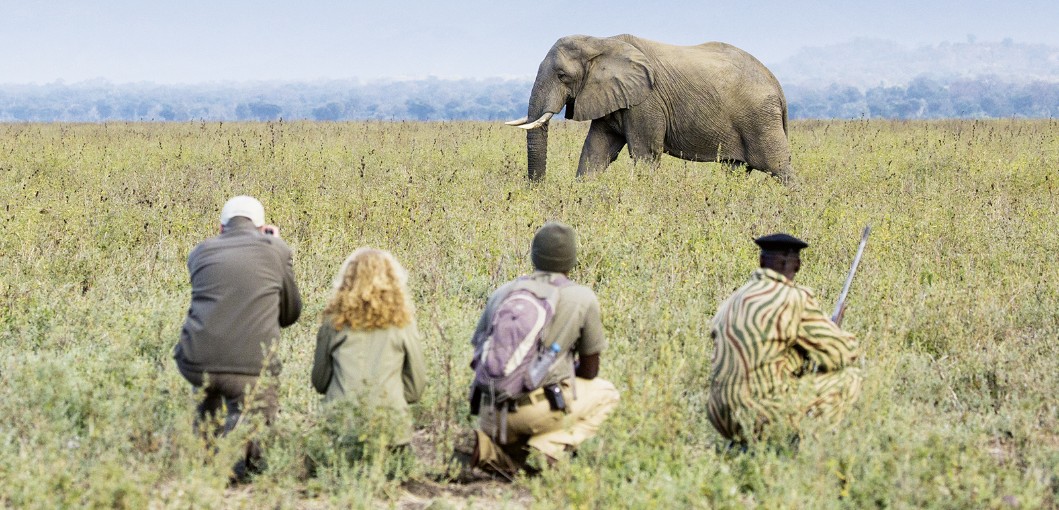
[{"x": 710, "y": 102}]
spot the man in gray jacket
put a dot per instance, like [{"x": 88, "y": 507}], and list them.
[{"x": 242, "y": 293}]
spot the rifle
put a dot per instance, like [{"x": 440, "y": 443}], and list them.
[{"x": 849, "y": 279}]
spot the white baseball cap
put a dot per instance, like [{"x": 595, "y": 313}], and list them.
[{"x": 245, "y": 206}]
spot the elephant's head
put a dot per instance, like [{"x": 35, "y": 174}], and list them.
[{"x": 592, "y": 77}]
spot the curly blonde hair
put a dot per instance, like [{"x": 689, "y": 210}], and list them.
[{"x": 370, "y": 292}]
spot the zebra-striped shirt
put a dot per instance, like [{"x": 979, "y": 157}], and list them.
[{"x": 767, "y": 334}]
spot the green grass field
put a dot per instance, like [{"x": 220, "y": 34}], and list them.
[{"x": 955, "y": 303}]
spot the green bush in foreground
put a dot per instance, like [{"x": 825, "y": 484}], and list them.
[{"x": 956, "y": 302}]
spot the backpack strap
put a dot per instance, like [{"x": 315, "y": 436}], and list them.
[{"x": 503, "y": 424}]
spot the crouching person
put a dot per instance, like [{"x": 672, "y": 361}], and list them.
[
  {"x": 536, "y": 356},
  {"x": 242, "y": 293},
  {"x": 777, "y": 357},
  {"x": 367, "y": 347}
]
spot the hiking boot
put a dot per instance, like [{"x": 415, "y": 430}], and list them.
[
  {"x": 239, "y": 475},
  {"x": 465, "y": 458}
]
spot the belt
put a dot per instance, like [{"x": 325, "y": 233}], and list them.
[{"x": 531, "y": 398}]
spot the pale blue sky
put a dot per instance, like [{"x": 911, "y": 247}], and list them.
[{"x": 195, "y": 41}]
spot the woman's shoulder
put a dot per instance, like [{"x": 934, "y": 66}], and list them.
[{"x": 329, "y": 332}]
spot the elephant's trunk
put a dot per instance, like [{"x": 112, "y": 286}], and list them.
[
  {"x": 537, "y": 152},
  {"x": 546, "y": 99}
]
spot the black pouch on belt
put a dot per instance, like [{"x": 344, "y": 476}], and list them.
[
  {"x": 554, "y": 394},
  {"x": 476, "y": 399}
]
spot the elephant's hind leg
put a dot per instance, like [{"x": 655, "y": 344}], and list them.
[
  {"x": 768, "y": 150},
  {"x": 602, "y": 146}
]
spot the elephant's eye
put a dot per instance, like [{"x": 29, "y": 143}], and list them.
[{"x": 562, "y": 76}]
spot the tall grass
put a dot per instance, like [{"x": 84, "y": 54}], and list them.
[{"x": 956, "y": 303}]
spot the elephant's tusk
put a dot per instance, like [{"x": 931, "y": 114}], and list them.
[
  {"x": 518, "y": 122},
  {"x": 537, "y": 123}
]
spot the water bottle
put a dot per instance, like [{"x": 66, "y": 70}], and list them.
[{"x": 540, "y": 367}]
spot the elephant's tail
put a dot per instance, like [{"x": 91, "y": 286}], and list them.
[{"x": 783, "y": 112}]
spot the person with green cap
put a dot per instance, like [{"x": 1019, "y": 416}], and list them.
[
  {"x": 572, "y": 402},
  {"x": 777, "y": 356}
]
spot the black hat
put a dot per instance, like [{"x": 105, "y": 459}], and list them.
[
  {"x": 780, "y": 242},
  {"x": 554, "y": 248}
]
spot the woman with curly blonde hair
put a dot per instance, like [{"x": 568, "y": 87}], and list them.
[{"x": 367, "y": 347}]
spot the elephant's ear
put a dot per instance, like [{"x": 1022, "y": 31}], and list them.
[{"x": 619, "y": 77}]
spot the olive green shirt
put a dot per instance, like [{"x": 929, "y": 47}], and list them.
[
  {"x": 379, "y": 367},
  {"x": 576, "y": 325}
]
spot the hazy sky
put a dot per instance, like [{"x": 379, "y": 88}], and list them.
[{"x": 191, "y": 41}]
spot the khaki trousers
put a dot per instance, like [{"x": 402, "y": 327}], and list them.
[{"x": 535, "y": 426}]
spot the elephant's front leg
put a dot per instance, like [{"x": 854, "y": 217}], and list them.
[{"x": 602, "y": 146}]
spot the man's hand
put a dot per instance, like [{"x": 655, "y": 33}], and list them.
[
  {"x": 837, "y": 318},
  {"x": 269, "y": 230},
  {"x": 587, "y": 366}
]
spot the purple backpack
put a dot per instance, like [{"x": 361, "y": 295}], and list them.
[{"x": 515, "y": 338}]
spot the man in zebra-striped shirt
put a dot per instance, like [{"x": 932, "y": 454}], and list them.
[{"x": 777, "y": 357}]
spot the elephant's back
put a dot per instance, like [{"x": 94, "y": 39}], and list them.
[
  {"x": 706, "y": 62},
  {"x": 711, "y": 56},
  {"x": 723, "y": 57},
  {"x": 722, "y": 48},
  {"x": 733, "y": 74},
  {"x": 714, "y": 80}
]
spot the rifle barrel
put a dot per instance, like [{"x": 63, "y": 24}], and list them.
[{"x": 852, "y": 271}]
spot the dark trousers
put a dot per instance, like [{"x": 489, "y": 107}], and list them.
[{"x": 231, "y": 392}]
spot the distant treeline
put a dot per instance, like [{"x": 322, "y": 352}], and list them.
[
  {"x": 493, "y": 99},
  {"x": 429, "y": 99},
  {"x": 924, "y": 98}
]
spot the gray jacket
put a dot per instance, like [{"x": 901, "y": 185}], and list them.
[{"x": 242, "y": 293}]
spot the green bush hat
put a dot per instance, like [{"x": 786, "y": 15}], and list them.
[{"x": 554, "y": 248}]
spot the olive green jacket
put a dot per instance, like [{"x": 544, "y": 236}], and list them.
[{"x": 378, "y": 367}]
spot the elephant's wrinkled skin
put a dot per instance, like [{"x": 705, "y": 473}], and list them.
[{"x": 711, "y": 102}]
